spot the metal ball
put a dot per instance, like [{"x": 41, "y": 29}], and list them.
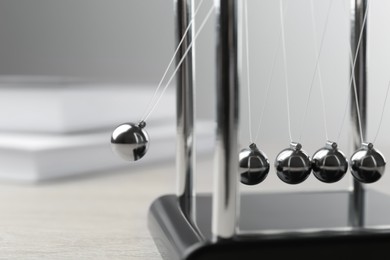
[
  {"x": 293, "y": 165},
  {"x": 329, "y": 163},
  {"x": 367, "y": 164},
  {"x": 130, "y": 141},
  {"x": 253, "y": 165}
]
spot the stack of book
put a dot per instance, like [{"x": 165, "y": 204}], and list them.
[{"x": 54, "y": 128}]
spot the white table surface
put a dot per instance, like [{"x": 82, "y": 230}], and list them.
[
  {"x": 100, "y": 216},
  {"x": 95, "y": 217}
]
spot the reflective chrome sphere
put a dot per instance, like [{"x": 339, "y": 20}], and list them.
[
  {"x": 367, "y": 164},
  {"x": 293, "y": 165},
  {"x": 130, "y": 141},
  {"x": 253, "y": 165},
  {"x": 329, "y": 163}
]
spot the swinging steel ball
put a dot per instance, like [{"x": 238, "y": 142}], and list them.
[
  {"x": 130, "y": 141},
  {"x": 293, "y": 165},
  {"x": 253, "y": 165},
  {"x": 329, "y": 163},
  {"x": 367, "y": 164}
]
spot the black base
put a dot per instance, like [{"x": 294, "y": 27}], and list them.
[{"x": 311, "y": 225}]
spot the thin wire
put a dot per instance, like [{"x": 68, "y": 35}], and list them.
[
  {"x": 357, "y": 105},
  {"x": 181, "y": 61},
  {"x": 353, "y": 80},
  {"x": 315, "y": 69},
  {"x": 172, "y": 59},
  {"x": 314, "y": 27},
  {"x": 348, "y": 99},
  {"x": 350, "y": 80},
  {"x": 270, "y": 77},
  {"x": 384, "y": 103},
  {"x": 246, "y": 26},
  {"x": 285, "y": 68},
  {"x": 383, "y": 112}
]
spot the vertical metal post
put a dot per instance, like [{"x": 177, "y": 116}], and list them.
[
  {"x": 226, "y": 179},
  {"x": 358, "y": 9},
  {"x": 185, "y": 155}
]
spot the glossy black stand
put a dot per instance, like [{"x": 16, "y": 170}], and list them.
[{"x": 310, "y": 225}]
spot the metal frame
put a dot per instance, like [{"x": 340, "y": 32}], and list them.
[
  {"x": 225, "y": 190},
  {"x": 185, "y": 147},
  {"x": 225, "y": 206},
  {"x": 270, "y": 228},
  {"x": 358, "y": 9}
]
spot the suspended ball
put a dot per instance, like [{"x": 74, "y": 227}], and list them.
[
  {"x": 329, "y": 163},
  {"x": 253, "y": 165},
  {"x": 293, "y": 165},
  {"x": 130, "y": 141},
  {"x": 367, "y": 164}
]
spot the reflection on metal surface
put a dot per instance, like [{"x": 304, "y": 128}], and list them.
[
  {"x": 293, "y": 165},
  {"x": 253, "y": 165},
  {"x": 329, "y": 163},
  {"x": 130, "y": 141},
  {"x": 367, "y": 164}
]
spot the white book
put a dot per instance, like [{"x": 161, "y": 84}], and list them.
[
  {"x": 39, "y": 157},
  {"x": 55, "y": 105}
]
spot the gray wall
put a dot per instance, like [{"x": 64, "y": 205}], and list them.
[{"x": 126, "y": 40}]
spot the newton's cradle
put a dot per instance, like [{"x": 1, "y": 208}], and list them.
[{"x": 227, "y": 225}]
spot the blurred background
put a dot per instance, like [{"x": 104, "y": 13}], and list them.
[
  {"x": 81, "y": 67},
  {"x": 70, "y": 71}
]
